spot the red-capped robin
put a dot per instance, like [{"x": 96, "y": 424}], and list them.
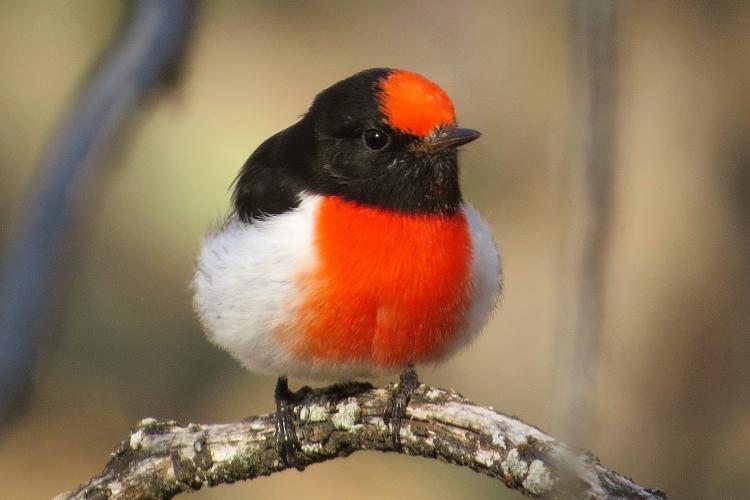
[{"x": 350, "y": 251}]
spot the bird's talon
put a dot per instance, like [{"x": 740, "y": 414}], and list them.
[
  {"x": 395, "y": 409},
  {"x": 287, "y": 444}
]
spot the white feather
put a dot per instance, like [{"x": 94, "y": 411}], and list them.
[
  {"x": 486, "y": 279},
  {"x": 245, "y": 283}
]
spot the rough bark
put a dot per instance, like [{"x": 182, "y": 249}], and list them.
[{"x": 163, "y": 458}]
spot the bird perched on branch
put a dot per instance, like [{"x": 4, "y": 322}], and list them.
[{"x": 350, "y": 251}]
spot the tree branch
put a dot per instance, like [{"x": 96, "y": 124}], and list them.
[{"x": 162, "y": 459}]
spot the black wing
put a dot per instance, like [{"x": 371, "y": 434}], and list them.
[{"x": 276, "y": 173}]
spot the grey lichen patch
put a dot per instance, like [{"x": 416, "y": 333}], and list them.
[
  {"x": 454, "y": 394},
  {"x": 312, "y": 448},
  {"x": 348, "y": 413},
  {"x": 498, "y": 439},
  {"x": 539, "y": 479},
  {"x": 433, "y": 394},
  {"x": 514, "y": 467},
  {"x": 406, "y": 434},
  {"x": 313, "y": 413},
  {"x": 136, "y": 439},
  {"x": 487, "y": 457}
]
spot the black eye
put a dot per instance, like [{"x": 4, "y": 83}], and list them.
[{"x": 375, "y": 139}]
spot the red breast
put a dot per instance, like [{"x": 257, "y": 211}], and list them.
[{"x": 388, "y": 289}]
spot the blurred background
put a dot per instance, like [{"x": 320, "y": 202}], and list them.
[{"x": 668, "y": 389}]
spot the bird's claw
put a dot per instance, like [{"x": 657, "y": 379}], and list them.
[
  {"x": 287, "y": 444},
  {"x": 395, "y": 409}
]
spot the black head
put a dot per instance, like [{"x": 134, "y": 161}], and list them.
[{"x": 382, "y": 137}]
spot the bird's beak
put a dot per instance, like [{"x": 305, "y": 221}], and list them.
[{"x": 449, "y": 137}]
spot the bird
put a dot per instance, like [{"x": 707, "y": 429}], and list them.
[{"x": 349, "y": 251}]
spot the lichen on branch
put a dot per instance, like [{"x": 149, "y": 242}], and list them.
[{"x": 161, "y": 459}]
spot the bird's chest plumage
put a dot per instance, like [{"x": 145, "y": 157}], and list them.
[
  {"x": 386, "y": 288},
  {"x": 336, "y": 290}
]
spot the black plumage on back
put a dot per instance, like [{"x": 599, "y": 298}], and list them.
[{"x": 272, "y": 178}]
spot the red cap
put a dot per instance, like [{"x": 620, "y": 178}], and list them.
[{"x": 415, "y": 105}]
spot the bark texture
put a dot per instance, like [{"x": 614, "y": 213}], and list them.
[{"x": 163, "y": 458}]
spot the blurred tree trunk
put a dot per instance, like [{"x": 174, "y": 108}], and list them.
[
  {"x": 587, "y": 202},
  {"x": 146, "y": 54}
]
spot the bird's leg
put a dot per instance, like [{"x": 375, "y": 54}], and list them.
[
  {"x": 286, "y": 437},
  {"x": 395, "y": 410}
]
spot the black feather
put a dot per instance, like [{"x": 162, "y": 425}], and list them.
[{"x": 324, "y": 154}]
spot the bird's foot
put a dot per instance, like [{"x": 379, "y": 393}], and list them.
[
  {"x": 287, "y": 443},
  {"x": 395, "y": 410}
]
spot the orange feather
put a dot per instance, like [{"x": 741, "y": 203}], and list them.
[
  {"x": 389, "y": 288},
  {"x": 414, "y": 104}
]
